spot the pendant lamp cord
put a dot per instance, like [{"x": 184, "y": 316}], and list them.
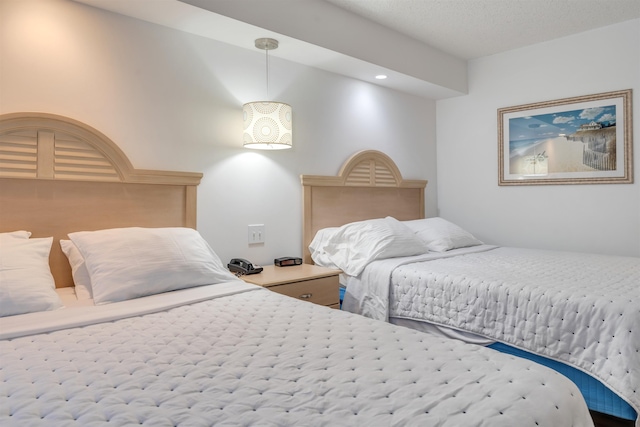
[{"x": 267, "y": 65}]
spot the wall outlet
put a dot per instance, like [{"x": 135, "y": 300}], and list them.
[{"x": 256, "y": 233}]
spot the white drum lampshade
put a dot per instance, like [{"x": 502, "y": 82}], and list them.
[{"x": 267, "y": 125}]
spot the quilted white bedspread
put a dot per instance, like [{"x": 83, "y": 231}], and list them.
[
  {"x": 581, "y": 309},
  {"x": 256, "y": 358}
]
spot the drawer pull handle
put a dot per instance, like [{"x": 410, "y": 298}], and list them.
[{"x": 305, "y": 296}]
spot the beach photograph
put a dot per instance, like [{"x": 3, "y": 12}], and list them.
[{"x": 582, "y": 140}]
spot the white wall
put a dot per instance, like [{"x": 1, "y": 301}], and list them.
[
  {"x": 592, "y": 218},
  {"x": 173, "y": 101}
]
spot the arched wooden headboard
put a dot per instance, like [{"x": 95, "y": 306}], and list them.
[
  {"x": 369, "y": 185},
  {"x": 58, "y": 175}
]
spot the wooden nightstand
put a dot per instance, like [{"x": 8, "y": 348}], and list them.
[{"x": 306, "y": 282}]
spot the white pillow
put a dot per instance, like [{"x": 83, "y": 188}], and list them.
[
  {"x": 79, "y": 271},
  {"x": 355, "y": 245},
  {"x": 441, "y": 235},
  {"x": 26, "y": 283},
  {"x": 21, "y": 234},
  {"x": 316, "y": 247},
  {"x": 126, "y": 263}
]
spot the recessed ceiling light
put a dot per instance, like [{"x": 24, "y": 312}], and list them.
[{"x": 381, "y": 77}]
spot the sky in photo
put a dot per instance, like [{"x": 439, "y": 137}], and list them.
[{"x": 546, "y": 126}]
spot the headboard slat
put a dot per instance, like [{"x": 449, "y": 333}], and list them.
[{"x": 19, "y": 154}]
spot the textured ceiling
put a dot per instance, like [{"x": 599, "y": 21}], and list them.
[{"x": 474, "y": 28}]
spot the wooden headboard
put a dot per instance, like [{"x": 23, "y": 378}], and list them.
[
  {"x": 369, "y": 185},
  {"x": 58, "y": 175}
]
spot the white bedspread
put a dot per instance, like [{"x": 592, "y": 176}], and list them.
[
  {"x": 581, "y": 309},
  {"x": 256, "y": 358}
]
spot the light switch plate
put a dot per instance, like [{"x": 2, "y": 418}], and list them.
[{"x": 256, "y": 233}]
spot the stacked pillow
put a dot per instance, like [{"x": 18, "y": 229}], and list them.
[
  {"x": 441, "y": 235},
  {"x": 124, "y": 263},
  {"x": 26, "y": 283},
  {"x": 79, "y": 271}
]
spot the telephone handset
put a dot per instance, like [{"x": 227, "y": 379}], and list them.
[{"x": 241, "y": 266}]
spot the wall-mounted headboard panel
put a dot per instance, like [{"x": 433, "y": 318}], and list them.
[
  {"x": 58, "y": 175},
  {"x": 369, "y": 185}
]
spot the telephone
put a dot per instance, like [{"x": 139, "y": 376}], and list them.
[{"x": 241, "y": 266}]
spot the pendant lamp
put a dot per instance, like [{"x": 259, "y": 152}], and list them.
[{"x": 267, "y": 124}]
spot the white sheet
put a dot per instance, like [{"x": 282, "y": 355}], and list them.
[
  {"x": 368, "y": 293},
  {"x": 580, "y": 309},
  {"x": 70, "y": 299},
  {"x": 259, "y": 358},
  {"x": 81, "y": 315},
  {"x": 441, "y": 331}
]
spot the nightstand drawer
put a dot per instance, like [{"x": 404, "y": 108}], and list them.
[
  {"x": 305, "y": 282},
  {"x": 323, "y": 291}
]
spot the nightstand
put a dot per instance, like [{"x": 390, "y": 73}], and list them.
[{"x": 306, "y": 282}]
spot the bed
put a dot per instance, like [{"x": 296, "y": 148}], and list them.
[
  {"x": 147, "y": 326},
  {"x": 577, "y": 313}
]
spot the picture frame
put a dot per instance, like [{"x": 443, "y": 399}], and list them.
[{"x": 580, "y": 140}]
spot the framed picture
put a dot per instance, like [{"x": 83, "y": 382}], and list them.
[{"x": 582, "y": 140}]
